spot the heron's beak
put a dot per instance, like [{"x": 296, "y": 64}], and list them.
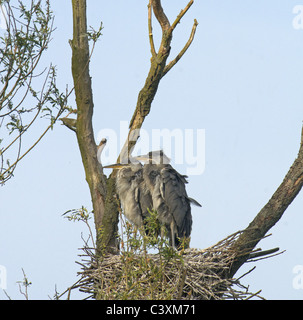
[{"x": 116, "y": 166}]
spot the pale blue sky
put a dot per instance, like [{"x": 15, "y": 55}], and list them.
[{"x": 241, "y": 81}]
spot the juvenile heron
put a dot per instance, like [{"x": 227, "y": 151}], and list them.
[
  {"x": 169, "y": 196},
  {"x": 134, "y": 196}
]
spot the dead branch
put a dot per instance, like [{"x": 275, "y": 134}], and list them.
[
  {"x": 271, "y": 212},
  {"x": 180, "y": 55},
  {"x": 150, "y": 29},
  {"x": 262, "y": 253},
  {"x": 160, "y": 15},
  {"x": 182, "y": 13},
  {"x": 69, "y": 123},
  {"x": 100, "y": 148},
  {"x": 157, "y": 70}
]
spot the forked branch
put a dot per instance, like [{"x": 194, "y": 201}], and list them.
[
  {"x": 158, "y": 69},
  {"x": 180, "y": 55}
]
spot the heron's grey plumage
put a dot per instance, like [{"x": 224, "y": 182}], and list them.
[
  {"x": 158, "y": 186},
  {"x": 169, "y": 196},
  {"x": 135, "y": 198}
]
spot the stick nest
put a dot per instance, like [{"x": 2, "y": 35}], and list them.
[{"x": 191, "y": 274}]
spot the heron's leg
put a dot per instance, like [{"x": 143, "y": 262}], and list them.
[{"x": 173, "y": 234}]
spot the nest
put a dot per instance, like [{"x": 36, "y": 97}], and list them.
[{"x": 191, "y": 274}]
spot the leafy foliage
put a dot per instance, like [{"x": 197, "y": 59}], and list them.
[
  {"x": 22, "y": 43},
  {"x": 83, "y": 215}
]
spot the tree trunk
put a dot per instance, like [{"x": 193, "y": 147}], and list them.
[{"x": 84, "y": 99}]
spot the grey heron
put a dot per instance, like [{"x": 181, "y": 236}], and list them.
[
  {"x": 169, "y": 196},
  {"x": 134, "y": 196}
]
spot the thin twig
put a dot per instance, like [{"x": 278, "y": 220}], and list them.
[
  {"x": 180, "y": 16},
  {"x": 269, "y": 256},
  {"x": 150, "y": 30},
  {"x": 262, "y": 253},
  {"x": 246, "y": 273},
  {"x": 180, "y": 55}
]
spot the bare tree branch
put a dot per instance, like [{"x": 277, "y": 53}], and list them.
[
  {"x": 150, "y": 30},
  {"x": 180, "y": 55},
  {"x": 182, "y": 13},
  {"x": 271, "y": 212},
  {"x": 157, "y": 70},
  {"x": 160, "y": 15},
  {"x": 70, "y": 123}
]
